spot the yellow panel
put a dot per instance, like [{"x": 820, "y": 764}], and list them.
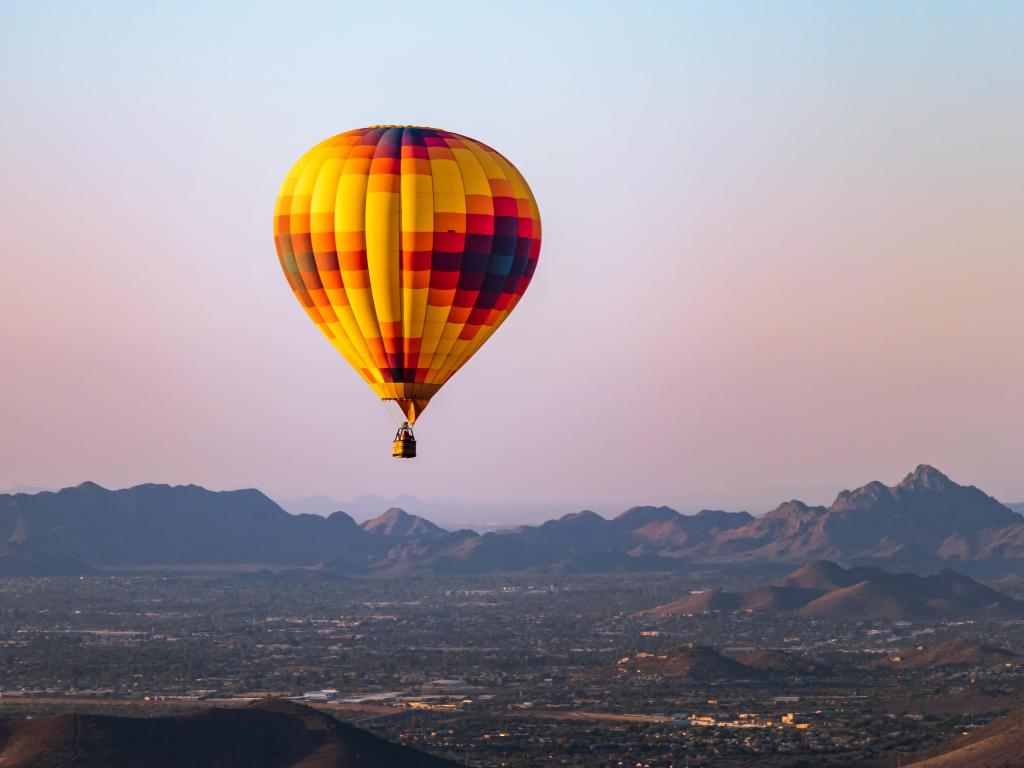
[
  {"x": 325, "y": 190},
  {"x": 455, "y": 203},
  {"x": 487, "y": 161},
  {"x": 417, "y": 204},
  {"x": 448, "y": 365},
  {"x": 344, "y": 346},
  {"x": 447, "y": 179},
  {"x": 350, "y": 213},
  {"x": 323, "y": 199},
  {"x": 350, "y": 224},
  {"x": 474, "y": 180},
  {"x": 457, "y": 359},
  {"x": 382, "y": 249},
  {"x": 414, "y": 302},
  {"x": 519, "y": 186},
  {"x": 432, "y": 328},
  {"x": 308, "y": 174}
]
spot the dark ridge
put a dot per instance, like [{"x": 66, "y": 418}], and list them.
[
  {"x": 267, "y": 734},
  {"x": 996, "y": 745},
  {"x": 955, "y": 652},
  {"x": 698, "y": 662}
]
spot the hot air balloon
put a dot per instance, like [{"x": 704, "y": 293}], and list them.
[{"x": 407, "y": 247}]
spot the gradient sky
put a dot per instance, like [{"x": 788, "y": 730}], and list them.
[{"x": 783, "y": 247}]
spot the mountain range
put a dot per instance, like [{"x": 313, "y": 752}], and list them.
[
  {"x": 272, "y": 733},
  {"x": 826, "y": 590},
  {"x": 923, "y": 523}
]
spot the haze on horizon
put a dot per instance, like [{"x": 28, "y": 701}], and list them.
[{"x": 783, "y": 251}]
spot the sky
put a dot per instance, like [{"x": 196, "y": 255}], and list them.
[{"x": 783, "y": 247}]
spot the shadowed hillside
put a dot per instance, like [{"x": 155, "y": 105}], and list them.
[
  {"x": 162, "y": 525},
  {"x": 782, "y": 662},
  {"x": 268, "y": 734},
  {"x": 698, "y": 662},
  {"x": 1000, "y": 744},
  {"x": 956, "y": 652}
]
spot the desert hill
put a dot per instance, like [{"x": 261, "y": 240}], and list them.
[
  {"x": 956, "y": 652},
  {"x": 1000, "y": 744},
  {"x": 698, "y": 662},
  {"x": 398, "y": 522},
  {"x": 267, "y": 734},
  {"x": 782, "y": 662},
  {"x": 826, "y": 589}
]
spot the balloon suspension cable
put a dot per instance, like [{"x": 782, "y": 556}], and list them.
[{"x": 391, "y": 413}]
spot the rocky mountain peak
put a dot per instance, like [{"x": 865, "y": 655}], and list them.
[
  {"x": 635, "y": 517},
  {"x": 584, "y": 515},
  {"x": 928, "y": 478},
  {"x": 397, "y": 522}
]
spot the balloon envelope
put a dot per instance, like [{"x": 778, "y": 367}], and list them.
[{"x": 407, "y": 247}]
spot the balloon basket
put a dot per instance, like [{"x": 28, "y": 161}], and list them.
[
  {"x": 404, "y": 446},
  {"x": 403, "y": 449}
]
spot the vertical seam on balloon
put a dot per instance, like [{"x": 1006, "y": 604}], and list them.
[
  {"x": 359, "y": 353},
  {"x": 462, "y": 178},
  {"x": 413, "y": 385},
  {"x": 428, "y": 383},
  {"x": 401, "y": 272},
  {"x": 450, "y": 357},
  {"x": 444, "y": 324},
  {"x": 371, "y": 321},
  {"x": 371, "y": 364},
  {"x": 373, "y": 300}
]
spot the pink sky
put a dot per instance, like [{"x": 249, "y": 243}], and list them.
[{"x": 780, "y": 252}]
